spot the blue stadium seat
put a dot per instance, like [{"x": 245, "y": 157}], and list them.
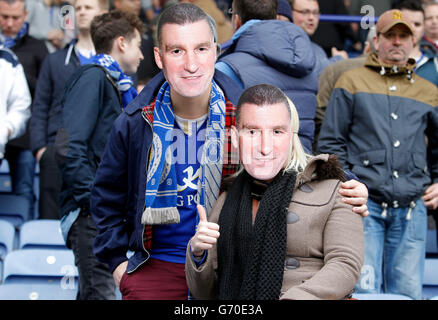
[
  {"x": 4, "y": 167},
  {"x": 21, "y": 291},
  {"x": 14, "y": 209},
  {"x": 5, "y": 179},
  {"x": 430, "y": 278},
  {"x": 431, "y": 244},
  {"x": 7, "y": 235},
  {"x": 380, "y": 296},
  {"x": 43, "y": 234},
  {"x": 44, "y": 266},
  {"x": 5, "y": 184}
]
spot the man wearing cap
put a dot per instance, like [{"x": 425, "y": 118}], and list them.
[{"x": 382, "y": 123}]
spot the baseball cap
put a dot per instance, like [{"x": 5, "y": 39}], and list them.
[{"x": 390, "y": 18}]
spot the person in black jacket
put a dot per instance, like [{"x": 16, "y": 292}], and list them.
[
  {"x": 94, "y": 96},
  {"x": 46, "y": 116},
  {"x": 333, "y": 34},
  {"x": 31, "y": 53}
]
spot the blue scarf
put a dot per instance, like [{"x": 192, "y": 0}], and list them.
[
  {"x": 124, "y": 82},
  {"x": 161, "y": 185},
  {"x": 9, "y": 42}
]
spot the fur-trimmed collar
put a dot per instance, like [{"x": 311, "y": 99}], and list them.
[{"x": 321, "y": 167}]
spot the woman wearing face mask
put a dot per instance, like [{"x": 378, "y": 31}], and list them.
[{"x": 281, "y": 229}]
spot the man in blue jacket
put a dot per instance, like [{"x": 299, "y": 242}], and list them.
[
  {"x": 168, "y": 151},
  {"x": 265, "y": 50},
  {"x": 95, "y": 95},
  {"x": 46, "y": 115}
]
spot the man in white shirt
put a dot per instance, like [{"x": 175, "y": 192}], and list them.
[{"x": 15, "y": 99}]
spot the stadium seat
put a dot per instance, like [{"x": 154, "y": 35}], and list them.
[
  {"x": 4, "y": 167},
  {"x": 21, "y": 291},
  {"x": 7, "y": 234},
  {"x": 43, "y": 234},
  {"x": 430, "y": 278},
  {"x": 431, "y": 242},
  {"x": 380, "y": 296},
  {"x": 44, "y": 266},
  {"x": 14, "y": 209},
  {"x": 7, "y": 237},
  {"x": 5, "y": 179},
  {"x": 5, "y": 184}
]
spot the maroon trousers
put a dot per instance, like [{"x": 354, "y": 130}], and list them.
[{"x": 155, "y": 280}]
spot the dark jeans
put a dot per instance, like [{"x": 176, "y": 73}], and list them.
[
  {"x": 22, "y": 170},
  {"x": 50, "y": 186},
  {"x": 95, "y": 280}
]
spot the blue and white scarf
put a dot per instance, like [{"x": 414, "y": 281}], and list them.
[
  {"x": 161, "y": 185},
  {"x": 124, "y": 82},
  {"x": 9, "y": 42}
]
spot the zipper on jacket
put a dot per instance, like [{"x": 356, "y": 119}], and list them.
[
  {"x": 142, "y": 233},
  {"x": 146, "y": 119},
  {"x": 147, "y": 258}
]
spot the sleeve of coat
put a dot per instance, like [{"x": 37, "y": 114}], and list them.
[
  {"x": 80, "y": 114},
  {"x": 343, "y": 257},
  {"x": 109, "y": 197},
  {"x": 19, "y": 101},
  {"x": 325, "y": 87},
  {"x": 334, "y": 133},
  {"x": 41, "y": 107},
  {"x": 202, "y": 280},
  {"x": 432, "y": 147},
  {"x": 17, "y": 107}
]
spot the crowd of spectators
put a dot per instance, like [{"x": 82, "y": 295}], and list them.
[{"x": 294, "y": 49}]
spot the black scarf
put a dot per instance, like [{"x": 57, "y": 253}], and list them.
[{"x": 251, "y": 257}]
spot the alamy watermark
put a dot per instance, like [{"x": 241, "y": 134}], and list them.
[
  {"x": 367, "y": 21},
  {"x": 67, "y": 17}
]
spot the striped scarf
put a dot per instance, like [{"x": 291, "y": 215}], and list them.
[
  {"x": 124, "y": 82},
  {"x": 9, "y": 42},
  {"x": 161, "y": 185}
]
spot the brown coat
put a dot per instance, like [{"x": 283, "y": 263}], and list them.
[{"x": 324, "y": 243}]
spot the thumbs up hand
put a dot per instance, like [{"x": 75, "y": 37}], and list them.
[{"x": 206, "y": 234}]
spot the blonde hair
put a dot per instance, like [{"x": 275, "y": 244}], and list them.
[{"x": 298, "y": 158}]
